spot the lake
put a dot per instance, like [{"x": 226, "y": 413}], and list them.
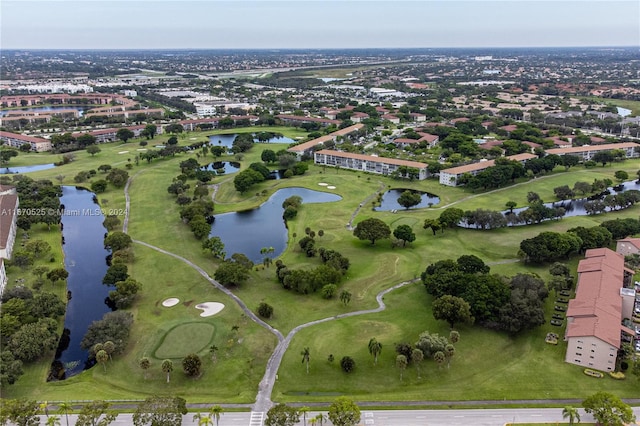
[
  {"x": 227, "y": 140},
  {"x": 26, "y": 169},
  {"x": 390, "y": 200},
  {"x": 44, "y": 109},
  {"x": 248, "y": 231},
  {"x": 85, "y": 258}
]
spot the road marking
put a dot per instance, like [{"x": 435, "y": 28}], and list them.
[
  {"x": 458, "y": 416},
  {"x": 256, "y": 418},
  {"x": 369, "y": 422},
  {"x": 368, "y": 414}
]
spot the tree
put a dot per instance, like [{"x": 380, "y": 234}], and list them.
[
  {"x": 65, "y": 408},
  {"x": 167, "y": 368},
  {"x": 150, "y": 131},
  {"x": 571, "y": 413},
  {"x": 449, "y": 352},
  {"x": 19, "y": 411},
  {"x": 215, "y": 412},
  {"x": 10, "y": 368},
  {"x": 375, "y": 348},
  {"x": 401, "y": 364},
  {"x": 93, "y": 149},
  {"x": 453, "y": 310},
  {"x": 454, "y": 336},
  {"x": 268, "y": 156},
  {"x": 345, "y": 297},
  {"x": 417, "y": 357},
  {"x": 265, "y": 310},
  {"x": 115, "y": 273},
  {"x": 304, "y": 411},
  {"x": 603, "y": 157},
  {"x": 102, "y": 357},
  {"x": 144, "y": 364},
  {"x": 118, "y": 177},
  {"x": 33, "y": 340},
  {"x": 621, "y": 176},
  {"x": 212, "y": 350},
  {"x": 404, "y": 233},
  {"x": 450, "y": 217},
  {"x": 191, "y": 365},
  {"x": 372, "y": 229},
  {"x": 38, "y": 247},
  {"x": 215, "y": 246},
  {"x": 409, "y": 199},
  {"x": 96, "y": 413},
  {"x": 160, "y": 411},
  {"x": 344, "y": 412},
  {"x": 117, "y": 241},
  {"x": 511, "y": 205},
  {"x": 282, "y": 415},
  {"x": 99, "y": 186},
  {"x": 434, "y": 224},
  {"x": 306, "y": 356},
  {"x": 58, "y": 274},
  {"x": 124, "y": 134},
  {"x": 231, "y": 273},
  {"x": 347, "y": 364},
  {"x": 608, "y": 409},
  {"x": 440, "y": 358}
]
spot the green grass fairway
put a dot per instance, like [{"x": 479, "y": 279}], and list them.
[{"x": 185, "y": 339}]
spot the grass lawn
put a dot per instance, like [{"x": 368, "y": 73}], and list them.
[{"x": 487, "y": 365}]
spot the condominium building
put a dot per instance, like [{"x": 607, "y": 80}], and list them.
[
  {"x": 16, "y": 140},
  {"x": 595, "y": 329},
  {"x": 367, "y": 163},
  {"x": 451, "y": 176}
]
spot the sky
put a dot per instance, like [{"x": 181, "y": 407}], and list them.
[{"x": 267, "y": 24}]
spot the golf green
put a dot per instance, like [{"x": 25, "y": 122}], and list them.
[{"x": 185, "y": 339}]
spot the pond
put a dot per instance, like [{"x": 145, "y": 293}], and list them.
[
  {"x": 248, "y": 231},
  {"x": 85, "y": 260},
  {"x": 227, "y": 140},
  {"x": 390, "y": 200},
  {"x": 26, "y": 169},
  {"x": 222, "y": 167},
  {"x": 575, "y": 207}
]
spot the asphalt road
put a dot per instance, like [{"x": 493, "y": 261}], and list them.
[{"x": 475, "y": 417}]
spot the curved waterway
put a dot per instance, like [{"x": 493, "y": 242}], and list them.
[{"x": 85, "y": 258}]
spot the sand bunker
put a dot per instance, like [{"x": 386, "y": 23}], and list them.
[
  {"x": 323, "y": 184},
  {"x": 172, "y": 301},
  {"x": 331, "y": 187},
  {"x": 209, "y": 308},
  {"x": 123, "y": 152}
]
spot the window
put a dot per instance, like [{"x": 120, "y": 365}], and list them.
[
  {"x": 578, "y": 361},
  {"x": 578, "y": 347},
  {"x": 578, "y": 354}
]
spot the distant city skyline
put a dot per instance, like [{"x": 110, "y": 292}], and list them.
[{"x": 266, "y": 24}]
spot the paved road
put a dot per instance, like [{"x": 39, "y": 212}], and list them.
[{"x": 475, "y": 417}]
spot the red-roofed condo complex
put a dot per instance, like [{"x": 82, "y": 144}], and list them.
[{"x": 604, "y": 298}]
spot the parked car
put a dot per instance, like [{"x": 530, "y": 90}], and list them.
[
  {"x": 565, "y": 293},
  {"x": 560, "y": 308},
  {"x": 562, "y": 300},
  {"x": 556, "y": 322},
  {"x": 558, "y": 316}
]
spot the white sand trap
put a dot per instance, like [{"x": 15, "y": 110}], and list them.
[
  {"x": 123, "y": 152},
  {"x": 172, "y": 301},
  {"x": 210, "y": 308},
  {"x": 141, "y": 149},
  {"x": 323, "y": 184},
  {"x": 331, "y": 187},
  {"x": 192, "y": 139}
]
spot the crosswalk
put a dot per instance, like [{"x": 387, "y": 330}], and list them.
[{"x": 256, "y": 419}]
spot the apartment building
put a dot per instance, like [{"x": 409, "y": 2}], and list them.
[
  {"x": 367, "y": 163},
  {"x": 451, "y": 176},
  {"x": 16, "y": 140},
  {"x": 595, "y": 329}
]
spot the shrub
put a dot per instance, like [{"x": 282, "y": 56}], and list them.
[
  {"x": 191, "y": 365},
  {"x": 265, "y": 310},
  {"x": 347, "y": 364},
  {"x": 593, "y": 373}
]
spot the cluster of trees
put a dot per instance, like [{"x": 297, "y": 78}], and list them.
[
  {"x": 548, "y": 246},
  {"x": 40, "y": 199},
  {"x": 113, "y": 327},
  {"x": 126, "y": 288},
  {"x": 429, "y": 346},
  {"x": 234, "y": 271},
  {"x": 198, "y": 213},
  {"x": 28, "y": 329},
  {"x": 291, "y": 206},
  {"x": 324, "y": 277},
  {"x": 342, "y": 412},
  {"x": 511, "y": 304}
]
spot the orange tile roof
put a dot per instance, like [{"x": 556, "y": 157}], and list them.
[
  {"x": 597, "y": 308},
  {"x": 481, "y": 165},
  {"x": 587, "y": 148},
  {"x": 322, "y": 139},
  {"x": 22, "y": 137},
  {"x": 362, "y": 157}
]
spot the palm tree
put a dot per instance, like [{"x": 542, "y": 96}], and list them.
[
  {"x": 449, "y": 351},
  {"x": 144, "y": 363},
  {"x": 571, "y": 413},
  {"x": 212, "y": 350},
  {"x": 109, "y": 347},
  {"x": 53, "y": 421},
  {"x": 375, "y": 348},
  {"x": 439, "y": 357},
  {"x": 401, "y": 363},
  {"x": 44, "y": 408},
  {"x": 215, "y": 412},
  {"x": 454, "y": 336},
  {"x": 417, "y": 356},
  {"x": 304, "y": 411},
  {"x": 345, "y": 297},
  {"x": 319, "y": 419},
  {"x": 203, "y": 420},
  {"x": 102, "y": 357},
  {"x": 306, "y": 357},
  {"x": 167, "y": 367},
  {"x": 64, "y": 408}
]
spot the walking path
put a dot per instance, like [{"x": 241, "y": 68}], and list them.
[{"x": 362, "y": 204}]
